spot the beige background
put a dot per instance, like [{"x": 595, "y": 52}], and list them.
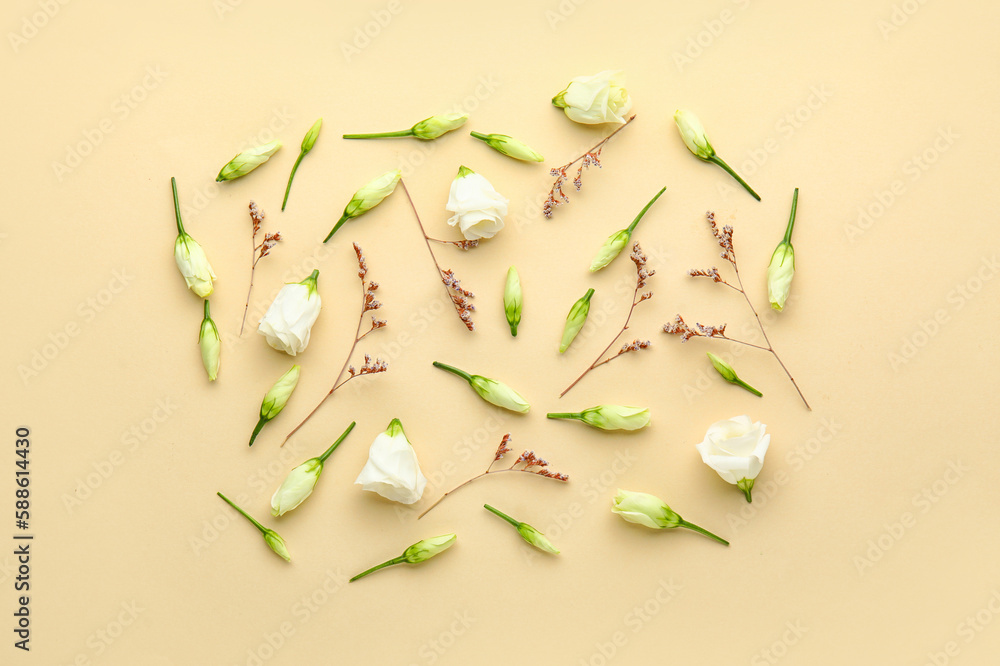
[{"x": 864, "y": 544}]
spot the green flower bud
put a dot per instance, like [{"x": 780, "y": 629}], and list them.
[
  {"x": 650, "y": 511},
  {"x": 190, "y": 257},
  {"x": 575, "y": 320},
  {"x": 367, "y": 198},
  {"x": 299, "y": 483},
  {"x": 247, "y": 161},
  {"x": 276, "y": 398},
  {"x": 308, "y": 141},
  {"x": 782, "y": 267},
  {"x": 729, "y": 374},
  {"x": 426, "y": 129},
  {"x": 693, "y": 135},
  {"x": 415, "y": 554},
  {"x": 609, "y": 417},
  {"x": 617, "y": 241},
  {"x": 513, "y": 300},
  {"x": 509, "y": 146},
  {"x": 271, "y": 538},
  {"x": 211, "y": 345},
  {"x": 491, "y": 390},
  {"x": 527, "y": 532}
]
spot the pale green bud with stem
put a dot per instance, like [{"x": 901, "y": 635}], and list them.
[
  {"x": 782, "y": 267},
  {"x": 415, "y": 554},
  {"x": 513, "y": 300},
  {"x": 509, "y": 146},
  {"x": 308, "y": 141},
  {"x": 693, "y": 135},
  {"x": 276, "y": 398},
  {"x": 575, "y": 320},
  {"x": 299, "y": 483},
  {"x": 617, "y": 241},
  {"x": 729, "y": 374},
  {"x": 426, "y": 129},
  {"x": 490, "y": 390},
  {"x": 247, "y": 161},
  {"x": 367, "y": 198},
  {"x": 527, "y": 532},
  {"x": 609, "y": 417},
  {"x": 190, "y": 257},
  {"x": 650, "y": 511},
  {"x": 211, "y": 345},
  {"x": 271, "y": 538}
]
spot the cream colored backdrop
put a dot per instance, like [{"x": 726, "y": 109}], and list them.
[{"x": 872, "y": 537}]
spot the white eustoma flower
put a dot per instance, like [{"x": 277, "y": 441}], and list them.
[
  {"x": 490, "y": 390},
  {"x": 392, "y": 469},
  {"x": 190, "y": 258},
  {"x": 609, "y": 417},
  {"x": 247, "y": 161},
  {"x": 291, "y": 316},
  {"x": 299, "y": 483},
  {"x": 782, "y": 267},
  {"x": 595, "y": 99},
  {"x": 735, "y": 448},
  {"x": 478, "y": 208}
]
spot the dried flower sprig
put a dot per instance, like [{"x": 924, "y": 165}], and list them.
[
  {"x": 593, "y": 156},
  {"x": 460, "y": 297},
  {"x": 724, "y": 238},
  {"x": 641, "y": 275},
  {"x": 371, "y": 367},
  {"x": 526, "y": 462},
  {"x": 259, "y": 251}
]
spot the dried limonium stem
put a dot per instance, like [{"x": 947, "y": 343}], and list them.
[
  {"x": 371, "y": 367},
  {"x": 641, "y": 275},
  {"x": 724, "y": 237},
  {"x": 526, "y": 462},
  {"x": 593, "y": 156},
  {"x": 460, "y": 297},
  {"x": 259, "y": 251}
]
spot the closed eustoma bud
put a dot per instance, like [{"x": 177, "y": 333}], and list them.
[
  {"x": 490, "y": 390},
  {"x": 650, "y": 511},
  {"x": 617, "y": 241},
  {"x": 247, "y": 161},
  {"x": 782, "y": 267},
  {"x": 301, "y": 481},
  {"x": 609, "y": 417},
  {"x": 190, "y": 257},
  {"x": 308, "y": 141},
  {"x": 419, "y": 552},
  {"x": 211, "y": 345},
  {"x": 276, "y": 398},
  {"x": 527, "y": 532},
  {"x": 575, "y": 320},
  {"x": 513, "y": 300},
  {"x": 693, "y": 135},
  {"x": 509, "y": 146},
  {"x": 367, "y": 198},
  {"x": 729, "y": 374},
  {"x": 426, "y": 129}
]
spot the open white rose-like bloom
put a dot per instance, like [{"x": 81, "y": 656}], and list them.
[
  {"x": 591, "y": 100},
  {"x": 478, "y": 208},
  {"x": 735, "y": 449},
  {"x": 392, "y": 469},
  {"x": 289, "y": 320}
]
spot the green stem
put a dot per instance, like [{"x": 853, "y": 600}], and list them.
[
  {"x": 340, "y": 439},
  {"x": 461, "y": 373},
  {"x": 481, "y": 137},
  {"x": 642, "y": 212},
  {"x": 565, "y": 415},
  {"x": 791, "y": 218},
  {"x": 700, "y": 530},
  {"x": 381, "y": 135},
  {"x": 263, "y": 530},
  {"x": 177, "y": 206},
  {"x": 588, "y": 295},
  {"x": 208, "y": 316},
  {"x": 715, "y": 159},
  {"x": 343, "y": 218},
  {"x": 257, "y": 429},
  {"x": 288, "y": 188},
  {"x": 395, "y": 560},
  {"x": 515, "y": 523},
  {"x": 739, "y": 382}
]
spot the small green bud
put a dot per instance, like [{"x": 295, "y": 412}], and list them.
[
  {"x": 527, "y": 532},
  {"x": 435, "y": 126},
  {"x": 309, "y": 140},
  {"x": 650, "y": 511},
  {"x": 276, "y": 398},
  {"x": 729, "y": 374},
  {"x": 509, "y": 146},
  {"x": 612, "y": 248},
  {"x": 211, "y": 345},
  {"x": 490, "y": 390},
  {"x": 415, "y": 554},
  {"x": 513, "y": 300},
  {"x": 247, "y": 161},
  {"x": 367, "y": 198},
  {"x": 781, "y": 270},
  {"x": 271, "y": 538},
  {"x": 575, "y": 320}
]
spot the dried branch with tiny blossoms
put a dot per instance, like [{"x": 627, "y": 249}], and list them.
[
  {"x": 641, "y": 275},
  {"x": 258, "y": 252},
  {"x": 679, "y": 327},
  {"x": 526, "y": 462},
  {"x": 460, "y": 297},
  {"x": 593, "y": 156},
  {"x": 371, "y": 367}
]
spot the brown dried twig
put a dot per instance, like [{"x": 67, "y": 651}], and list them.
[
  {"x": 369, "y": 304},
  {"x": 724, "y": 238},
  {"x": 527, "y": 460},
  {"x": 641, "y": 275},
  {"x": 258, "y": 252},
  {"x": 593, "y": 156}
]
